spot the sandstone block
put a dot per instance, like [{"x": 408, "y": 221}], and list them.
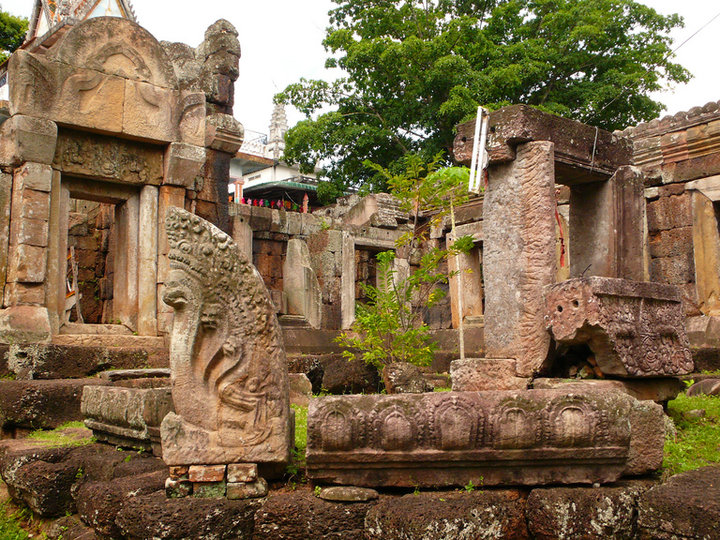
[
  {"x": 27, "y": 139},
  {"x": 183, "y": 163},
  {"x": 30, "y": 204},
  {"x": 532, "y": 437},
  {"x": 519, "y": 256},
  {"x": 605, "y": 512},
  {"x": 449, "y": 515},
  {"x": 41, "y": 404},
  {"x": 653, "y": 389},
  {"x": 33, "y": 176},
  {"x": 404, "y": 378},
  {"x": 223, "y": 133},
  {"x": 31, "y": 232},
  {"x": 247, "y": 490},
  {"x": 27, "y": 264},
  {"x": 300, "y": 389},
  {"x": 192, "y": 118},
  {"x": 479, "y": 374},
  {"x": 686, "y": 506},
  {"x": 348, "y": 494},
  {"x": 5, "y": 204},
  {"x": 149, "y": 111},
  {"x": 300, "y": 514},
  {"x": 126, "y": 416},
  {"x": 241, "y": 472},
  {"x": 24, "y": 324},
  {"x": 634, "y": 329},
  {"x": 143, "y": 517},
  {"x": 206, "y": 473},
  {"x": 24, "y": 294}
]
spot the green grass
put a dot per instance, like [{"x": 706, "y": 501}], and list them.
[
  {"x": 58, "y": 436},
  {"x": 10, "y": 523},
  {"x": 442, "y": 389},
  {"x": 300, "y": 428},
  {"x": 698, "y": 439}
]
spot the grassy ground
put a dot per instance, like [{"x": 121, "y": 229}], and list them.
[
  {"x": 11, "y": 518},
  {"x": 697, "y": 442},
  {"x": 69, "y": 434}
]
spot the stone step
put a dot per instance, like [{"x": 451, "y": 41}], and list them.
[
  {"x": 101, "y": 329},
  {"x": 100, "y": 340}
]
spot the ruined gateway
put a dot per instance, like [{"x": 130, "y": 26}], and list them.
[{"x": 593, "y": 252}]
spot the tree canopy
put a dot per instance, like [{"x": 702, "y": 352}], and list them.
[
  {"x": 414, "y": 69},
  {"x": 12, "y": 33}
]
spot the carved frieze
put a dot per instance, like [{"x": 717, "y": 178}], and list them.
[
  {"x": 107, "y": 158},
  {"x": 634, "y": 329},
  {"x": 229, "y": 373},
  {"x": 530, "y": 437}
]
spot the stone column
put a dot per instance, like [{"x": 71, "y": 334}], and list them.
[
  {"x": 300, "y": 284},
  {"x": 519, "y": 256},
  {"x": 467, "y": 280},
  {"x": 169, "y": 196},
  {"x": 147, "y": 261},
  {"x": 347, "y": 282},
  {"x": 5, "y": 199},
  {"x": 125, "y": 284},
  {"x": 607, "y": 227},
  {"x": 242, "y": 233},
  {"x": 57, "y": 251},
  {"x": 706, "y": 246}
]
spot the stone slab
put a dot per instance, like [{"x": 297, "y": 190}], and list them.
[
  {"x": 41, "y": 404},
  {"x": 477, "y": 514},
  {"x": 658, "y": 389},
  {"x": 481, "y": 374},
  {"x": 129, "y": 417},
  {"x": 26, "y": 138},
  {"x": 348, "y": 494},
  {"x": 24, "y": 324},
  {"x": 583, "y": 153},
  {"x": 532, "y": 437},
  {"x": 635, "y": 329}
]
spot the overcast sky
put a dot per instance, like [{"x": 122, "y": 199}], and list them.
[{"x": 281, "y": 42}]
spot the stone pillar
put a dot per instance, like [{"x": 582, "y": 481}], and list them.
[
  {"x": 300, "y": 284},
  {"x": 147, "y": 261},
  {"x": 125, "y": 284},
  {"x": 169, "y": 196},
  {"x": 57, "y": 251},
  {"x": 242, "y": 233},
  {"x": 467, "y": 280},
  {"x": 706, "y": 246},
  {"x": 347, "y": 282},
  {"x": 30, "y": 214},
  {"x": 607, "y": 227},
  {"x": 5, "y": 200},
  {"x": 519, "y": 256}
]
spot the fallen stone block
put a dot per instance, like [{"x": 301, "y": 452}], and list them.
[
  {"x": 98, "y": 503},
  {"x": 635, "y": 329},
  {"x": 707, "y": 387},
  {"x": 686, "y": 506},
  {"x": 479, "y": 514},
  {"x": 482, "y": 374},
  {"x": 302, "y": 515},
  {"x": 48, "y": 361},
  {"x": 145, "y": 516},
  {"x": 590, "y": 513},
  {"x": 404, "y": 378},
  {"x": 657, "y": 389},
  {"x": 532, "y": 437},
  {"x": 41, "y": 404},
  {"x": 129, "y": 417}
]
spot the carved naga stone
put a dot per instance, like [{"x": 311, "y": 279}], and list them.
[{"x": 229, "y": 376}]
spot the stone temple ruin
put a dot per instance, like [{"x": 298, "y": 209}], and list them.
[{"x": 137, "y": 299}]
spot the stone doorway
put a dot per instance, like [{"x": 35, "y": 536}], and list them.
[{"x": 129, "y": 281}]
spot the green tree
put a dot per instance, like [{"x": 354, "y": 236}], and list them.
[
  {"x": 389, "y": 327},
  {"x": 12, "y": 33},
  {"x": 413, "y": 69}
]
